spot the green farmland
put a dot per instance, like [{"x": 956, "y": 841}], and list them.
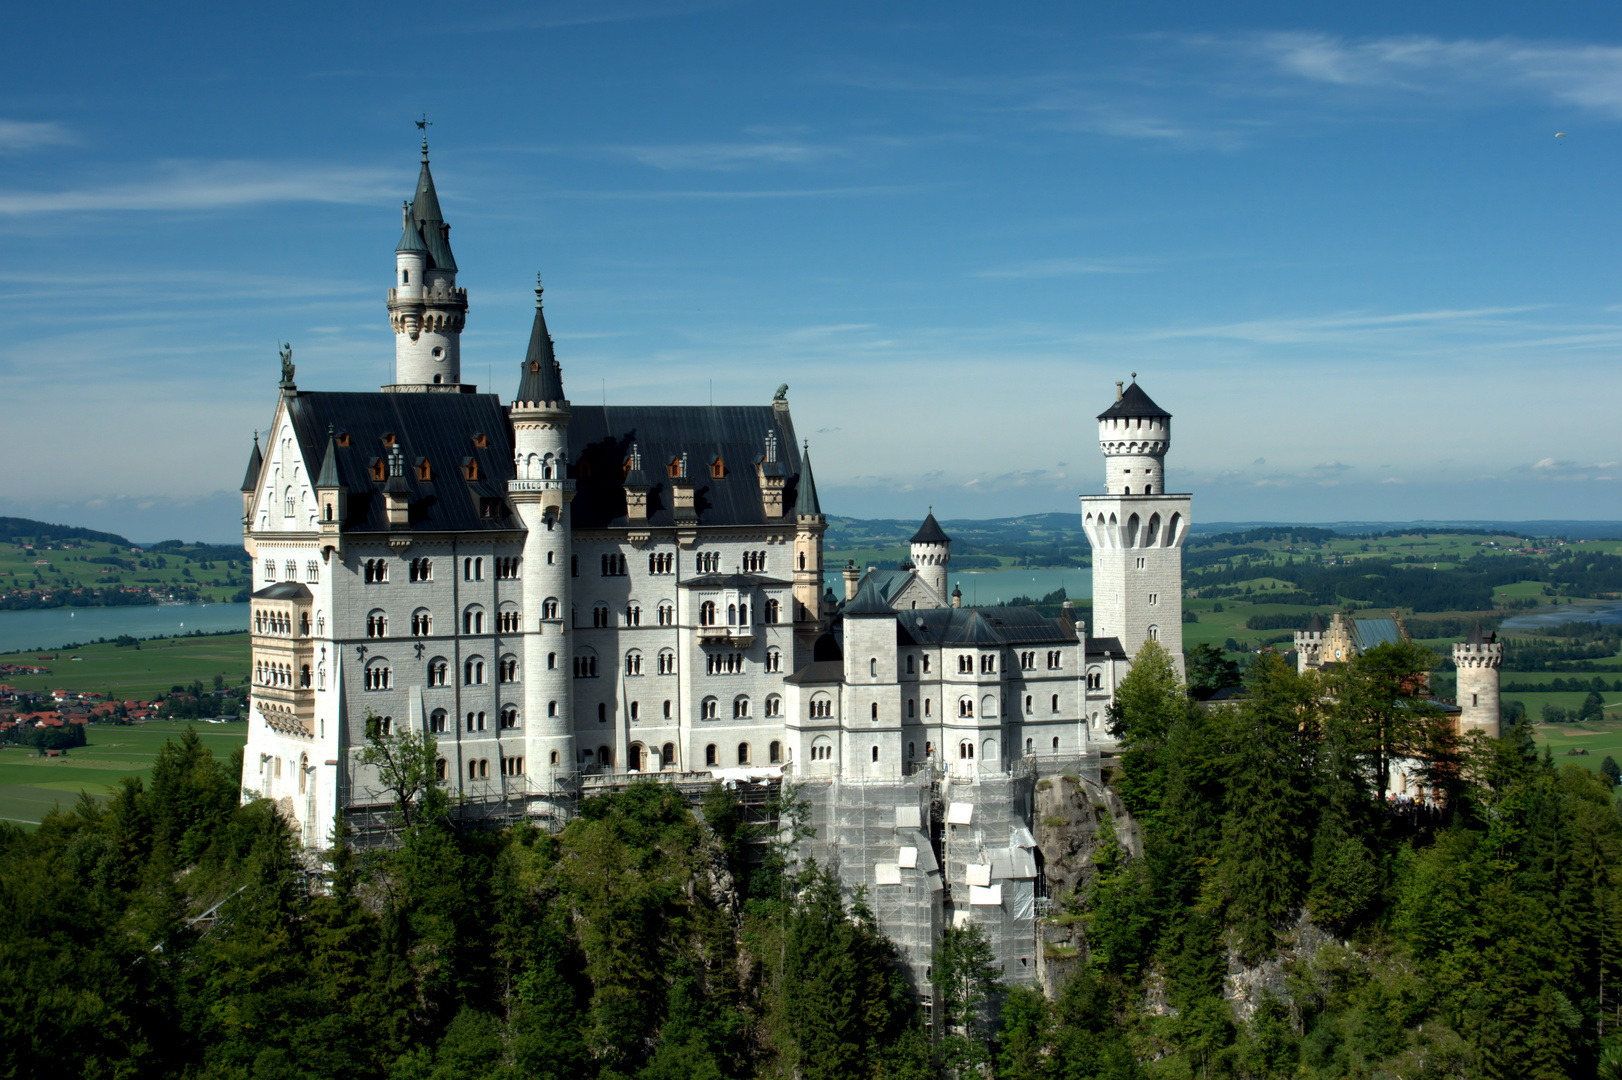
[
  {"x": 30, "y": 786},
  {"x": 142, "y": 671}
]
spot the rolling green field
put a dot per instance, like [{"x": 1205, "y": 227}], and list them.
[
  {"x": 70, "y": 564},
  {"x": 31, "y": 786},
  {"x": 141, "y": 673}
]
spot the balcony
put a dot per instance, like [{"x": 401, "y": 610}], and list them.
[
  {"x": 516, "y": 486},
  {"x": 740, "y": 636}
]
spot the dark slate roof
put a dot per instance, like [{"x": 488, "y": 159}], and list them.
[
  {"x": 805, "y": 500},
  {"x": 328, "y": 477},
  {"x": 438, "y": 427},
  {"x": 256, "y": 462},
  {"x": 541, "y": 378},
  {"x": 1106, "y": 646},
  {"x": 1368, "y": 633},
  {"x": 979, "y": 626},
  {"x": 869, "y": 600},
  {"x": 1316, "y": 624},
  {"x": 733, "y": 581},
  {"x": 1134, "y": 403},
  {"x": 1478, "y": 636},
  {"x": 930, "y": 532},
  {"x": 430, "y": 221},
  {"x": 283, "y": 590},
  {"x": 410, "y": 240},
  {"x": 819, "y": 671},
  {"x": 600, "y": 439}
]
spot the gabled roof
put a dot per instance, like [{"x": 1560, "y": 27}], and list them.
[
  {"x": 1369, "y": 633},
  {"x": 256, "y": 462},
  {"x": 930, "y": 532},
  {"x": 541, "y": 378},
  {"x": 819, "y": 671},
  {"x": 1134, "y": 403},
  {"x": 600, "y": 440},
  {"x": 869, "y": 600},
  {"x": 805, "y": 500},
  {"x": 440, "y": 427},
  {"x": 980, "y": 631}
]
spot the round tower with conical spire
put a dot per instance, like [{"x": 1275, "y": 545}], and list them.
[
  {"x": 426, "y": 309},
  {"x": 932, "y": 554},
  {"x": 541, "y": 491},
  {"x": 1136, "y": 529},
  {"x": 809, "y": 526}
]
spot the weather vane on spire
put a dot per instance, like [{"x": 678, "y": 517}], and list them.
[{"x": 423, "y": 125}]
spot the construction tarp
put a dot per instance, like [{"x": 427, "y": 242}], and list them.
[
  {"x": 907, "y": 858},
  {"x": 960, "y": 813},
  {"x": 978, "y": 873},
  {"x": 985, "y": 895},
  {"x": 907, "y": 817},
  {"x": 886, "y": 873}
]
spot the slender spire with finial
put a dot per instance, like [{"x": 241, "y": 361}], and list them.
[
  {"x": 806, "y": 503},
  {"x": 542, "y": 377},
  {"x": 423, "y": 125}
]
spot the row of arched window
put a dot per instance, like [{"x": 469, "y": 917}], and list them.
[{"x": 266, "y": 621}]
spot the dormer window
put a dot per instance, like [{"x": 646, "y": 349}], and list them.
[
  {"x": 481, "y": 440},
  {"x": 388, "y": 440},
  {"x": 424, "y": 470},
  {"x": 379, "y": 470},
  {"x": 343, "y": 438},
  {"x": 674, "y": 468},
  {"x": 470, "y": 468},
  {"x": 718, "y": 469}
]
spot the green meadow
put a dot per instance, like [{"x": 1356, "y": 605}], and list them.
[
  {"x": 142, "y": 671},
  {"x": 31, "y": 786}
]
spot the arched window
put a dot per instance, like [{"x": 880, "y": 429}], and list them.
[
  {"x": 1027, "y": 704},
  {"x": 912, "y": 708},
  {"x": 1055, "y": 702},
  {"x": 549, "y": 608},
  {"x": 585, "y": 664},
  {"x": 422, "y": 623},
  {"x": 633, "y": 663},
  {"x": 875, "y": 753},
  {"x": 873, "y": 667},
  {"x": 436, "y": 721},
  {"x": 303, "y": 771},
  {"x": 774, "y": 660},
  {"x": 909, "y": 664},
  {"x": 706, "y": 613},
  {"x": 709, "y": 754},
  {"x": 378, "y": 676},
  {"x": 822, "y": 706},
  {"x": 774, "y": 705},
  {"x": 551, "y": 708},
  {"x": 1029, "y": 747},
  {"x": 740, "y": 708},
  {"x": 667, "y": 615},
  {"x": 599, "y": 615},
  {"x": 509, "y": 717},
  {"x": 304, "y": 676},
  {"x": 509, "y": 669},
  {"x": 1154, "y": 633},
  {"x": 875, "y": 710},
  {"x": 965, "y": 750},
  {"x": 667, "y": 756},
  {"x": 473, "y": 671},
  {"x": 743, "y": 753},
  {"x": 377, "y": 624},
  {"x": 667, "y": 662},
  {"x": 1055, "y": 744},
  {"x": 438, "y": 669},
  {"x": 775, "y": 752},
  {"x": 772, "y": 611},
  {"x": 707, "y": 707},
  {"x": 965, "y": 706},
  {"x": 732, "y": 615},
  {"x": 473, "y": 620}
]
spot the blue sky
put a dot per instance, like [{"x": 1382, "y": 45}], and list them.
[{"x": 1346, "y": 250}]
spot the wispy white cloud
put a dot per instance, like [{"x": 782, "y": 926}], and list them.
[
  {"x": 194, "y": 186},
  {"x": 858, "y": 191},
  {"x": 1585, "y": 75},
  {"x": 31, "y": 134},
  {"x": 718, "y": 156},
  {"x": 1054, "y": 268}
]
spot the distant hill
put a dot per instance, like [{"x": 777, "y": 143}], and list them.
[{"x": 15, "y": 529}]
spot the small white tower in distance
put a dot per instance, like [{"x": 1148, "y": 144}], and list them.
[
  {"x": 1309, "y": 645},
  {"x": 931, "y": 554},
  {"x": 426, "y": 308},
  {"x": 1478, "y": 658},
  {"x": 541, "y": 492},
  {"x": 1136, "y": 529}
]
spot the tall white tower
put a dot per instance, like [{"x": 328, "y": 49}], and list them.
[
  {"x": 1136, "y": 529},
  {"x": 541, "y": 492},
  {"x": 932, "y": 554},
  {"x": 1477, "y": 659},
  {"x": 426, "y": 308}
]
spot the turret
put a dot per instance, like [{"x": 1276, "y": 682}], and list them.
[
  {"x": 426, "y": 309},
  {"x": 1135, "y": 434},
  {"x": 809, "y": 525},
  {"x": 540, "y": 493},
  {"x": 1309, "y": 645},
  {"x": 250, "y": 481},
  {"x": 1477, "y": 659},
  {"x": 330, "y": 495},
  {"x": 931, "y": 554}
]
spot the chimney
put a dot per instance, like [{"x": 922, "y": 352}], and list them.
[
  {"x": 1117, "y": 391},
  {"x": 852, "y": 577},
  {"x": 681, "y": 490},
  {"x": 957, "y": 596}
]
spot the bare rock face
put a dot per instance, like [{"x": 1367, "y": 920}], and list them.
[
  {"x": 1244, "y": 987},
  {"x": 1070, "y": 814}
]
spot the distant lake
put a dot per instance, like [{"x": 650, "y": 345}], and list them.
[
  {"x": 52, "y": 628},
  {"x": 1605, "y": 612},
  {"x": 1001, "y": 586}
]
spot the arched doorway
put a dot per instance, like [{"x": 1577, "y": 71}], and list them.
[{"x": 638, "y": 758}]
